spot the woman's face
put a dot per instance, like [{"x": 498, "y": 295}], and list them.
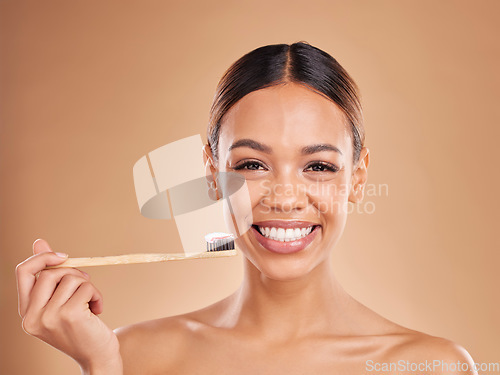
[{"x": 294, "y": 150}]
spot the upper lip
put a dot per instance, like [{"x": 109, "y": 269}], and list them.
[{"x": 285, "y": 223}]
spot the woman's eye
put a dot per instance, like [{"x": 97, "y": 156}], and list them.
[
  {"x": 322, "y": 167},
  {"x": 249, "y": 165}
]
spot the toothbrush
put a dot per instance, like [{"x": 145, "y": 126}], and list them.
[{"x": 218, "y": 245}]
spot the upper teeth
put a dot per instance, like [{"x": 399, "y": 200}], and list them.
[{"x": 285, "y": 235}]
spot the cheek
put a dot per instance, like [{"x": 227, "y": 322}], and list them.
[
  {"x": 330, "y": 200},
  {"x": 237, "y": 203},
  {"x": 332, "y": 208},
  {"x": 258, "y": 189}
]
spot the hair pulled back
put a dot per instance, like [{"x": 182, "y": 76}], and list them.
[{"x": 276, "y": 64}]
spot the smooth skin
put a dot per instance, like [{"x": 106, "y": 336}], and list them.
[{"x": 290, "y": 315}]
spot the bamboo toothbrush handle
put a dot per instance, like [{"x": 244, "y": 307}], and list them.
[{"x": 141, "y": 258}]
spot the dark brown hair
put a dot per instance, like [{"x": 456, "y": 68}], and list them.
[{"x": 282, "y": 63}]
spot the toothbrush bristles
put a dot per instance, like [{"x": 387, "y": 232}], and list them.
[{"x": 221, "y": 244}]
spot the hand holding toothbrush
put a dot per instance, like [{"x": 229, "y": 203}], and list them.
[{"x": 60, "y": 307}]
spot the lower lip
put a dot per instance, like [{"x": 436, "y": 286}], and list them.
[{"x": 282, "y": 247}]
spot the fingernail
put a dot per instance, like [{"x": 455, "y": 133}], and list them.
[
  {"x": 85, "y": 273},
  {"x": 62, "y": 255}
]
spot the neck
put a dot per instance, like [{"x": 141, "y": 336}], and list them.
[{"x": 286, "y": 309}]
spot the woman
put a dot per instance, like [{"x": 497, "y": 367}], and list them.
[{"x": 288, "y": 118}]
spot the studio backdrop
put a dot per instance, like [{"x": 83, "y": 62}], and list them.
[{"x": 87, "y": 88}]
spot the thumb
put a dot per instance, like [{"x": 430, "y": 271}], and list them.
[{"x": 41, "y": 246}]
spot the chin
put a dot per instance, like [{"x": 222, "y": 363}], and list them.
[
  {"x": 280, "y": 267},
  {"x": 284, "y": 272}
]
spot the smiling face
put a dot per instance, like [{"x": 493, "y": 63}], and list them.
[{"x": 295, "y": 151}]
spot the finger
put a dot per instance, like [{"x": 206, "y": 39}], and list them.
[
  {"x": 86, "y": 296},
  {"x": 41, "y": 246},
  {"x": 47, "y": 283},
  {"x": 65, "y": 290},
  {"x": 97, "y": 306},
  {"x": 26, "y": 271}
]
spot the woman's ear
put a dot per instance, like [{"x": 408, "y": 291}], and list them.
[
  {"x": 211, "y": 172},
  {"x": 360, "y": 176}
]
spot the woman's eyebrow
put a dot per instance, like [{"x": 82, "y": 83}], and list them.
[
  {"x": 320, "y": 147},
  {"x": 252, "y": 144},
  {"x": 246, "y": 142}
]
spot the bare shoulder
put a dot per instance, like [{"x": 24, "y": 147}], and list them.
[
  {"x": 420, "y": 352},
  {"x": 154, "y": 346},
  {"x": 165, "y": 345}
]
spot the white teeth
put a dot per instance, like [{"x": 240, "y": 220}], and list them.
[
  {"x": 280, "y": 234},
  {"x": 272, "y": 233},
  {"x": 284, "y": 235}
]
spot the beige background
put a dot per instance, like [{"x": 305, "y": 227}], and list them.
[{"x": 88, "y": 87}]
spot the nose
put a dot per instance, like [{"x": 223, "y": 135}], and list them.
[{"x": 285, "y": 193}]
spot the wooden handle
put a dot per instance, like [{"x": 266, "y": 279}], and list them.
[{"x": 141, "y": 258}]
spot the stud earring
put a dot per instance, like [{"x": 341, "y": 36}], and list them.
[{"x": 213, "y": 192}]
